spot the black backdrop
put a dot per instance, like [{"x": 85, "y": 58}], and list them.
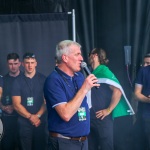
[
  {"x": 37, "y": 33},
  {"x": 110, "y": 24}
]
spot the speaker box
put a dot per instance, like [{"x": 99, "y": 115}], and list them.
[{"x": 127, "y": 51}]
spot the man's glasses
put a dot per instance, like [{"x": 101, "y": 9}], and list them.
[{"x": 28, "y": 55}]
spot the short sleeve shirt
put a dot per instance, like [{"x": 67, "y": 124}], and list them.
[
  {"x": 7, "y": 87},
  {"x": 60, "y": 88},
  {"x": 30, "y": 88},
  {"x": 143, "y": 79}
]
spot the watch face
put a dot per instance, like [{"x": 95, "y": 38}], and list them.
[{"x": 39, "y": 116}]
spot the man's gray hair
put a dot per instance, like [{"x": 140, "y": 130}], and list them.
[{"x": 63, "y": 47}]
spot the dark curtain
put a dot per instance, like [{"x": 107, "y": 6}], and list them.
[
  {"x": 85, "y": 24},
  {"x": 33, "y": 6},
  {"x": 37, "y": 33},
  {"x": 140, "y": 31},
  {"x": 100, "y": 23},
  {"x": 112, "y": 25}
]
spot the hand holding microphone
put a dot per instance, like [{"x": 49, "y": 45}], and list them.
[{"x": 87, "y": 71}]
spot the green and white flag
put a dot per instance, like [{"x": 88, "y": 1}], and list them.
[{"x": 104, "y": 75}]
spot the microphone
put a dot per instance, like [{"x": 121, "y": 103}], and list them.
[{"x": 85, "y": 68}]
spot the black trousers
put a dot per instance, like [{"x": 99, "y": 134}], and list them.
[
  {"x": 9, "y": 139},
  {"x": 101, "y": 134},
  {"x": 31, "y": 137},
  {"x": 139, "y": 136},
  {"x": 146, "y": 130},
  {"x": 65, "y": 144}
]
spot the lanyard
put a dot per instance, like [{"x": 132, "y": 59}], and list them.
[
  {"x": 29, "y": 85},
  {"x": 74, "y": 84},
  {"x": 75, "y": 89}
]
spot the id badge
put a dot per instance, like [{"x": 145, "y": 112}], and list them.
[
  {"x": 30, "y": 101},
  {"x": 82, "y": 114},
  {"x": 7, "y": 100}
]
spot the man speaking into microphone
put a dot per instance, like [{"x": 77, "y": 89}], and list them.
[{"x": 65, "y": 92}]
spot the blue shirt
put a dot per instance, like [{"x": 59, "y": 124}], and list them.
[
  {"x": 143, "y": 79},
  {"x": 60, "y": 88}
]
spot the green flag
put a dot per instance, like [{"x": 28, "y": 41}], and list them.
[{"x": 104, "y": 75}]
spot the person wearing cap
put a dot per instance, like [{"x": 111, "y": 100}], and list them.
[
  {"x": 65, "y": 92},
  {"x": 28, "y": 101},
  {"x": 9, "y": 117}
]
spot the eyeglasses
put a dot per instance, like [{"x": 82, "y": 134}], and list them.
[
  {"x": 28, "y": 55},
  {"x": 92, "y": 53}
]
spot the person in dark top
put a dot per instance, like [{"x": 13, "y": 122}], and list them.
[
  {"x": 142, "y": 94},
  {"x": 104, "y": 100},
  {"x": 9, "y": 116},
  {"x": 2, "y": 130},
  {"x": 28, "y": 101},
  {"x": 65, "y": 93},
  {"x": 139, "y": 137}
]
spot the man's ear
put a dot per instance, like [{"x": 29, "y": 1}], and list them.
[
  {"x": 36, "y": 63},
  {"x": 19, "y": 63},
  {"x": 65, "y": 58}
]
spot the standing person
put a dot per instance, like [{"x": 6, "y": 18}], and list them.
[
  {"x": 65, "y": 93},
  {"x": 141, "y": 90},
  {"x": 146, "y": 60},
  {"x": 104, "y": 101},
  {"x": 1, "y": 90},
  {"x": 28, "y": 101},
  {"x": 9, "y": 117}
]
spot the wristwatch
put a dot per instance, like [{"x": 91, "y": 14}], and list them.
[{"x": 38, "y": 115}]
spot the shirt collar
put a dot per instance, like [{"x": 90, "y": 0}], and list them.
[{"x": 64, "y": 74}]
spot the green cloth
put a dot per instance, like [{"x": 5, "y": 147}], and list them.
[{"x": 104, "y": 75}]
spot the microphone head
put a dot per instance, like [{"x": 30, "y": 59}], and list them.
[{"x": 83, "y": 64}]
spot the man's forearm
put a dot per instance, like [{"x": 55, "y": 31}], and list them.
[
  {"x": 22, "y": 111},
  {"x": 142, "y": 98},
  {"x": 42, "y": 110}
]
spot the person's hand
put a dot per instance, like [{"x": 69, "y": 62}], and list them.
[
  {"x": 103, "y": 113},
  {"x": 91, "y": 81},
  {"x": 8, "y": 109},
  {"x": 148, "y": 97},
  {"x": 34, "y": 119}
]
